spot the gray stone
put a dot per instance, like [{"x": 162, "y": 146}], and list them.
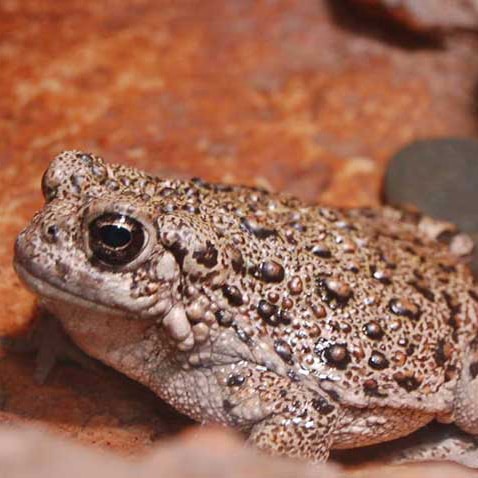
[{"x": 440, "y": 178}]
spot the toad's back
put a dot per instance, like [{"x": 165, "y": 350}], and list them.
[{"x": 365, "y": 300}]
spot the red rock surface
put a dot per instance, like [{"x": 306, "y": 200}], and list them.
[{"x": 291, "y": 95}]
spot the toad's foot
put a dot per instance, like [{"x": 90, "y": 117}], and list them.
[
  {"x": 295, "y": 421},
  {"x": 436, "y": 443},
  {"x": 51, "y": 344}
]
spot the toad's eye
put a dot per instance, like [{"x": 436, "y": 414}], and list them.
[{"x": 116, "y": 239}]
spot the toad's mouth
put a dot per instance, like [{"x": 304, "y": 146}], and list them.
[{"x": 52, "y": 292}]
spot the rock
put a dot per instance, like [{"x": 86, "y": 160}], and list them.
[
  {"x": 427, "y": 16},
  {"x": 215, "y": 453},
  {"x": 439, "y": 177},
  {"x": 27, "y": 453}
]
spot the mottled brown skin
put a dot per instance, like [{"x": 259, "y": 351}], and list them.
[{"x": 310, "y": 328}]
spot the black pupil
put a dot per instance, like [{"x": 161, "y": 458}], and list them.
[{"x": 115, "y": 236}]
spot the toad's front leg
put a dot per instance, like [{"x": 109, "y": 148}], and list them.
[
  {"x": 289, "y": 418},
  {"x": 47, "y": 339}
]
